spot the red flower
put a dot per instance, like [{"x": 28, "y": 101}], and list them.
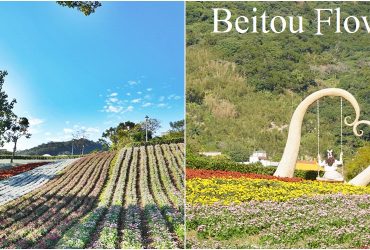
[{"x": 20, "y": 169}]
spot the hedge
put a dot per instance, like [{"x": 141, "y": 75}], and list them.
[
  {"x": 157, "y": 141},
  {"x": 217, "y": 163},
  {"x": 39, "y": 157}
]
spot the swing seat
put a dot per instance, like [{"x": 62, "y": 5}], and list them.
[{"x": 329, "y": 180}]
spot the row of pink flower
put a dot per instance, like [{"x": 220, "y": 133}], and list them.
[{"x": 63, "y": 200}]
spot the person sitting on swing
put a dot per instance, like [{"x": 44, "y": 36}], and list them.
[{"x": 330, "y": 165}]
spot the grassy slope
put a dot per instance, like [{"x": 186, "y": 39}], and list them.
[{"x": 259, "y": 79}]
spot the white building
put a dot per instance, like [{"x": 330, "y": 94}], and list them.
[
  {"x": 210, "y": 153},
  {"x": 261, "y": 156}
]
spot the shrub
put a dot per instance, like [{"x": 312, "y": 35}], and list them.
[
  {"x": 216, "y": 163},
  {"x": 157, "y": 141},
  {"x": 360, "y": 161},
  {"x": 40, "y": 157}
]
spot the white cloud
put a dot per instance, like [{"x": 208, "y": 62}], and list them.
[
  {"x": 147, "y": 104},
  {"x": 35, "y": 121},
  {"x": 161, "y": 105},
  {"x": 174, "y": 97},
  {"x": 128, "y": 94},
  {"x": 113, "y": 99},
  {"x": 68, "y": 122},
  {"x": 47, "y": 133},
  {"x": 114, "y": 94},
  {"x": 113, "y": 109},
  {"x": 161, "y": 98},
  {"x": 68, "y": 130},
  {"x": 139, "y": 92},
  {"x": 92, "y": 130},
  {"x": 149, "y": 89},
  {"x": 128, "y": 109},
  {"x": 131, "y": 82},
  {"x": 136, "y": 100},
  {"x": 147, "y": 97}
]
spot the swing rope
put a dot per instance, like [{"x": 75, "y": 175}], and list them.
[
  {"x": 318, "y": 134},
  {"x": 318, "y": 137},
  {"x": 341, "y": 131}
]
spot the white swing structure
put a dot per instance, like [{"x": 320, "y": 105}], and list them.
[
  {"x": 288, "y": 161},
  {"x": 330, "y": 165}
]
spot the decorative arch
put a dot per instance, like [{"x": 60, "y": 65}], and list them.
[{"x": 287, "y": 164}]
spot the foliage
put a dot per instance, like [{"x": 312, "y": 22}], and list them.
[
  {"x": 128, "y": 132},
  {"x": 131, "y": 134},
  {"x": 261, "y": 78},
  {"x": 6, "y": 107},
  {"x": 151, "y": 124},
  {"x": 157, "y": 141},
  {"x": 177, "y": 126},
  {"x": 237, "y": 190},
  {"x": 18, "y": 128},
  {"x": 86, "y": 7},
  {"x": 39, "y": 157},
  {"x": 216, "y": 163},
  {"x": 360, "y": 161}
]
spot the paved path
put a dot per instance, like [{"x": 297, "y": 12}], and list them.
[{"x": 24, "y": 183}]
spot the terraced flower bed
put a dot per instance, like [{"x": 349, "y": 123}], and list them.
[
  {"x": 20, "y": 169},
  {"x": 240, "y": 212},
  {"x": 129, "y": 199},
  {"x": 326, "y": 221},
  {"x": 229, "y": 191}
]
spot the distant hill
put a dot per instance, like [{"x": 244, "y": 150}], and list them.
[{"x": 61, "y": 148}]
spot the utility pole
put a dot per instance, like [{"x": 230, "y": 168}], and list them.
[{"x": 146, "y": 128}]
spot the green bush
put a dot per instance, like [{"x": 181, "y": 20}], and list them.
[
  {"x": 157, "y": 141},
  {"x": 359, "y": 162},
  {"x": 221, "y": 163},
  {"x": 238, "y": 155},
  {"x": 39, "y": 157}
]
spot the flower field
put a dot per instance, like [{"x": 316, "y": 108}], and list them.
[
  {"x": 20, "y": 169},
  {"x": 241, "y": 212},
  {"x": 131, "y": 199},
  {"x": 21, "y": 184}
]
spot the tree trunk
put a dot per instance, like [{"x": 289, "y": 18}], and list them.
[{"x": 14, "y": 149}]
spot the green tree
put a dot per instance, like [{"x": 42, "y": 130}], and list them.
[
  {"x": 177, "y": 126},
  {"x": 86, "y": 7},
  {"x": 124, "y": 133},
  {"x": 6, "y": 107},
  {"x": 152, "y": 125},
  {"x": 18, "y": 128},
  {"x": 104, "y": 143}
]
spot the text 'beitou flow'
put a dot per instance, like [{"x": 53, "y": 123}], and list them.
[{"x": 224, "y": 22}]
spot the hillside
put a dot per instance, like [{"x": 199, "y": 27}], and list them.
[
  {"x": 62, "y": 148},
  {"x": 129, "y": 199},
  {"x": 243, "y": 88}
]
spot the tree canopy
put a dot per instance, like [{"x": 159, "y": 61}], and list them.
[{"x": 86, "y": 7}]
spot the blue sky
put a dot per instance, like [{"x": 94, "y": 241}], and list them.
[{"x": 69, "y": 71}]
